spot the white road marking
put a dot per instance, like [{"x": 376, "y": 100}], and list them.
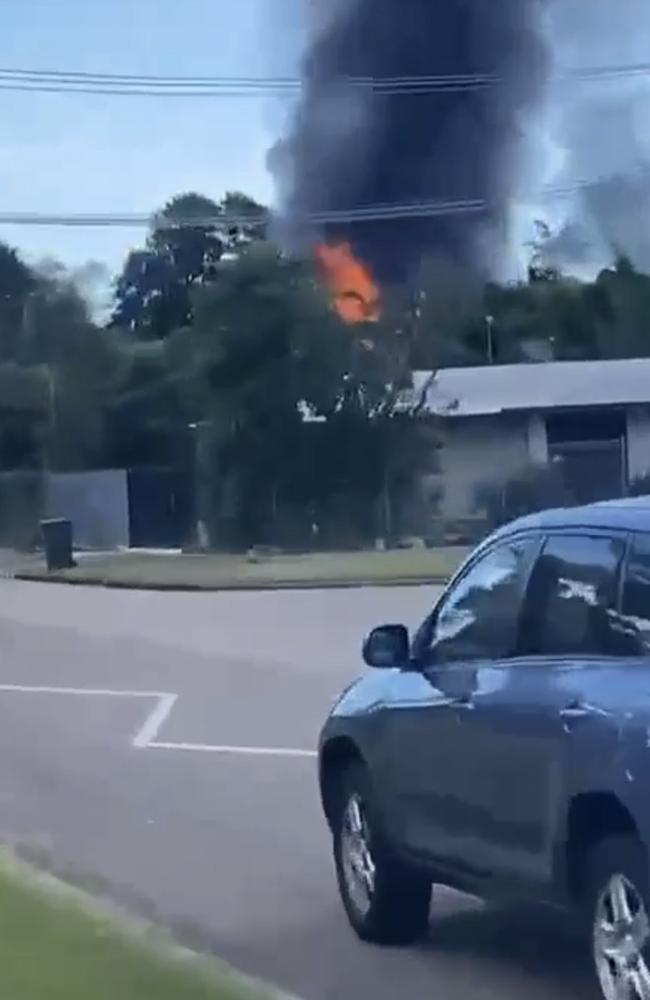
[
  {"x": 100, "y": 692},
  {"x": 145, "y": 738},
  {"x": 154, "y": 722},
  {"x": 244, "y": 751}
]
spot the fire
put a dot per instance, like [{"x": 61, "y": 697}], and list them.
[{"x": 356, "y": 296}]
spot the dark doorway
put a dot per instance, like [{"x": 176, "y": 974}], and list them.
[{"x": 590, "y": 447}]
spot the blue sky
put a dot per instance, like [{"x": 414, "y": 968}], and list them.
[{"x": 74, "y": 153}]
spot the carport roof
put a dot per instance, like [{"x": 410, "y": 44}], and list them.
[{"x": 491, "y": 389}]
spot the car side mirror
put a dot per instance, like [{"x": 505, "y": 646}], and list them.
[{"x": 387, "y": 647}]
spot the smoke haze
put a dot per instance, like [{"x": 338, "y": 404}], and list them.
[{"x": 602, "y": 129}]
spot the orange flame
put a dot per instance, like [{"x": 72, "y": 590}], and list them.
[{"x": 356, "y": 296}]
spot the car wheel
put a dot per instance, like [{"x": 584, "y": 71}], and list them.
[
  {"x": 386, "y": 901},
  {"x": 619, "y": 908}
]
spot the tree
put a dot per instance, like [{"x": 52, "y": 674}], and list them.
[
  {"x": 547, "y": 316},
  {"x": 264, "y": 343},
  {"x": 269, "y": 365},
  {"x": 83, "y": 363},
  {"x": 62, "y": 370},
  {"x": 187, "y": 242},
  {"x": 302, "y": 409},
  {"x": 539, "y": 267},
  {"x": 146, "y": 417},
  {"x": 16, "y": 284},
  {"x": 442, "y": 312},
  {"x": 619, "y": 301}
]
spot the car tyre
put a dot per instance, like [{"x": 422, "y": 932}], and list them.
[
  {"x": 386, "y": 901},
  {"x": 618, "y": 911}
]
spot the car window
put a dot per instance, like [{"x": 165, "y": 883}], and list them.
[
  {"x": 572, "y": 598},
  {"x": 635, "y": 608},
  {"x": 479, "y": 617}
]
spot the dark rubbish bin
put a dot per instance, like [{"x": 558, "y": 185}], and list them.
[{"x": 57, "y": 541}]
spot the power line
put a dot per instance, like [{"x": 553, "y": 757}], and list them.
[
  {"x": 117, "y": 79},
  {"x": 231, "y": 88},
  {"x": 132, "y": 92},
  {"x": 114, "y": 220},
  {"x": 58, "y": 81},
  {"x": 606, "y": 72},
  {"x": 429, "y": 79},
  {"x": 120, "y": 79},
  {"x": 369, "y": 213},
  {"x": 141, "y": 85},
  {"x": 165, "y": 80}
]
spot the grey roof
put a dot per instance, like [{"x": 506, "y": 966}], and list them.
[{"x": 466, "y": 392}]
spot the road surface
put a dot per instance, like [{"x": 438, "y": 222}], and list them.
[{"x": 138, "y": 754}]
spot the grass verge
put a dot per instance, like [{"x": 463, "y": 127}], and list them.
[
  {"x": 224, "y": 572},
  {"x": 58, "y": 944}
]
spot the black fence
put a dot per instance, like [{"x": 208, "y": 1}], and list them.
[{"x": 161, "y": 508}]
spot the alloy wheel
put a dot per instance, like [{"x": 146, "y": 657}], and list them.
[
  {"x": 356, "y": 856},
  {"x": 621, "y": 934}
]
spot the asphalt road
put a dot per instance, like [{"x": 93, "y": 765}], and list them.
[{"x": 227, "y": 846}]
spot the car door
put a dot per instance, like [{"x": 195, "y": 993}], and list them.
[
  {"x": 533, "y": 721},
  {"x": 427, "y": 760}
]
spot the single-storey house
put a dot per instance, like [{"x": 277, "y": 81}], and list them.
[{"x": 493, "y": 422}]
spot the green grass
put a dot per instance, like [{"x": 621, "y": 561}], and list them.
[
  {"x": 56, "y": 946},
  {"x": 223, "y": 571}
]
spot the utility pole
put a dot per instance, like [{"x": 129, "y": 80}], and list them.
[
  {"x": 201, "y": 484},
  {"x": 51, "y": 381},
  {"x": 489, "y": 331},
  {"x": 28, "y": 326}
]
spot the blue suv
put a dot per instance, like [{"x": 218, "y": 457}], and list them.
[{"x": 505, "y": 750}]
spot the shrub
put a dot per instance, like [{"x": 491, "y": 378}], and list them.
[{"x": 536, "y": 487}]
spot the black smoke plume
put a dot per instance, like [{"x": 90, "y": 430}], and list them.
[{"x": 349, "y": 148}]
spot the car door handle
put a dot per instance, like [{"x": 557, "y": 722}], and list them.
[{"x": 575, "y": 710}]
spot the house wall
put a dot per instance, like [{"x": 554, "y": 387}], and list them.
[
  {"x": 484, "y": 450},
  {"x": 638, "y": 441},
  {"x": 492, "y": 449}
]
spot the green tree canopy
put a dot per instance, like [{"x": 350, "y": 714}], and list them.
[
  {"x": 186, "y": 244},
  {"x": 16, "y": 283}
]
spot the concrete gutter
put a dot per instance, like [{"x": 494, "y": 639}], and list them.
[{"x": 42, "y": 576}]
